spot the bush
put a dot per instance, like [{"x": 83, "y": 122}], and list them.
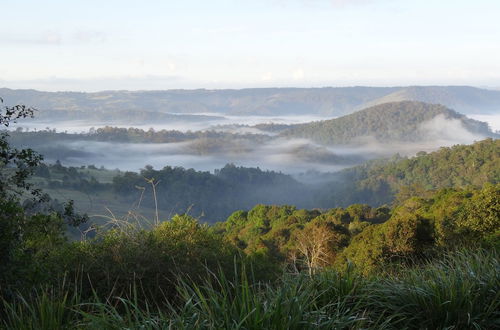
[{"x": 120, "y": 258}]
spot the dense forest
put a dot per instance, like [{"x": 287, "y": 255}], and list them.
[
  {"x": 365, "y": 236},
  {"x": 216, "y": 195},
  {"x": 388, "y": 122},
  {"x": 328, "y": 268},
  {"x": 428, "y": 260},
  {"x": 381, "y": 181},
  {"x": 211, "y": 196}
]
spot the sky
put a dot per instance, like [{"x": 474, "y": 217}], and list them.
[{"x": 89, "y": 45}]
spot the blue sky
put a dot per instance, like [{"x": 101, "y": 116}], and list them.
[{"x": 107, "y": 44}]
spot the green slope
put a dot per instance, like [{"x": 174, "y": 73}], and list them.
[
  {"x": 388, "y": 122},
  {"x": 378, "y": 182}
]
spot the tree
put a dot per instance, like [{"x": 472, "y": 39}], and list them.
[
  {"x": 25, "y": 236},
  {"x": 318, "y": 243},
  {"x": 15, "y": 165}
]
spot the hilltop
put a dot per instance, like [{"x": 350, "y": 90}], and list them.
[{"x": 403, "y": 121}]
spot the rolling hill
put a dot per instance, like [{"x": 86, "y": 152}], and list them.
[
  {"x": 405, "y": 121},
  {"x": 380, "y": 181},
  {"x": 464, "y": 99},
  {"x": 327, "y": 101}
]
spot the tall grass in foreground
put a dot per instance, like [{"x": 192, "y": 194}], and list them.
[
  {"x": 296, "y": 303},
  {"x": 45, "y": 309},
  {"x": 460, "y": 291}
]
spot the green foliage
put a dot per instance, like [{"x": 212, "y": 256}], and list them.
[
  {"x": 387, "y": 122},
  {"x": 203, "y": 142},
  {"x": 153, "y": 259},
  {"x": 15, "y": 165},
  {"x": 213, "y": 195},
  {"x": 292, "y": 236},
  {"x": 420, "y": 227},
  {"x": 27, "y": 243},
  {"x": 460, "y": 291},
  {"x": 44, "y": 309},
  {"x": 397, "y": 179},
  {"x": 296, "y": 303},
  {"x": 27, "y": 236},
  {"x": 481, "y": 213}
]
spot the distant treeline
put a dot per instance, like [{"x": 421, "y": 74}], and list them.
[
  {"x": 216, "y": 195},
  {"x": 54, "y": 144},
  {"x": 125, "y": 135},
  {"x": 211, "y": 195},
  {"x": 396, "y": 122}
]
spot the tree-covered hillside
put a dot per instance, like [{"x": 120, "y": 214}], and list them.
[
  {"x": 425, "y": 262},
  {"x": 210, "y": 196},
  {"x": 218, "y": 194},
  {"x": 389, "y": 122},
  {"x": 368, "y": 237},
  {"x": 380, "y": 181}
]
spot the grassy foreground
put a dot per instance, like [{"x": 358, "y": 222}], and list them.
[{"x": 458, "y": 291}]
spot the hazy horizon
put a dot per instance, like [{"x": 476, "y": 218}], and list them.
[
  {"x": 158, "y": 45},
  {"x": 239, "y": 88}
]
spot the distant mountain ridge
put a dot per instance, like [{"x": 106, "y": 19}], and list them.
[
  {"x": 464, "y": 99},
  {"x": 326, "y": 101},
  {"x": 405, "y": 121}
]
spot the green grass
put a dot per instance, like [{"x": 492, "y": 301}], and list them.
[
  {"x": 296, "y": 303},
  {"x": 459, "y": 291},
  {"x": 43, "y": 310}
]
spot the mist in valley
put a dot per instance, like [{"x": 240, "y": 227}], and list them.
[
  {"x": 219, "y": 122},
  {"x": 291, "y": 156},
  {"x": 190, "y": 158}
]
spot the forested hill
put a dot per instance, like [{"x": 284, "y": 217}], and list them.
[
  {"x": 380, "y": 181},
  {"x": 177, "y": 190},
  {"x": 327, "y": 101},
  {"x": 389, "y": 122}
]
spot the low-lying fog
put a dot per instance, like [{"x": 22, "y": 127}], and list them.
[
  {"x": 293, "y": 156},
  {"x": 289, "y": 156},
  {"x": 79, "y": 126},
  {"x": 492, "y": 120},
  {"x": 278, "y": 155}
]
